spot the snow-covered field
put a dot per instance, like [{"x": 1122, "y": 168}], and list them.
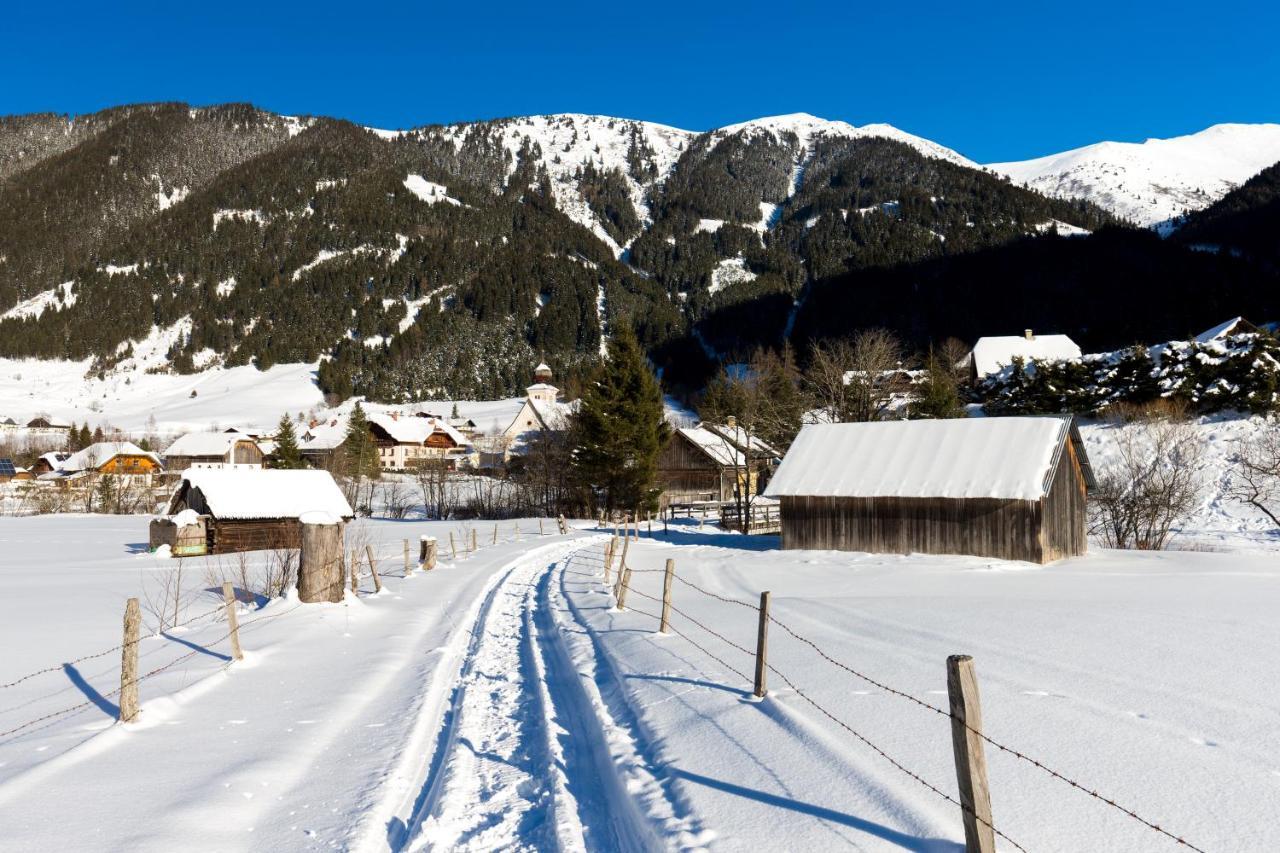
[
  {"x": 238, "y": 396},
  {"x": 502, "y": 702}
]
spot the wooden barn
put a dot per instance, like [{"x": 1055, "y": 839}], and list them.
[
  {"x": 707, "y": 462},
  {"x": 256, "y": 509},
  {"x": 1012, "y": 488}
]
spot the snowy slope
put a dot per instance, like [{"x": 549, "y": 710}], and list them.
[
  {"x": 564, "y": 142},
  {"x": 1154, "y": 181},
  {"x": 807, "y": 129}
]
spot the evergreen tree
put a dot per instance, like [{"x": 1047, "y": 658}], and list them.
[
  {"x": 97, "y": 433},
  {"x": 287, "y": 455},
  {"x": 358, "y": 447},
  {"x": 938, "y": 394},
  {"x": 619, "y": 429}
]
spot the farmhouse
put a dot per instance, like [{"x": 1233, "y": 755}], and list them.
[
  {"x": 252, "y": 510},
  {"x": 230, "y": 449},
  {"x": 707, "y": 462},
  {"x": 407, "y": 442},
  {"x": 320, "y": 442},
  {"x": 111, "y": 457},
  {"x": 991, "y": 355},
  {"x": 1012, "y": 488}
]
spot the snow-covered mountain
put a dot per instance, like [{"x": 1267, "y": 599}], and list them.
[
  {"x": 644, "y": 153},
  {"x": 1154, "y": 181}
]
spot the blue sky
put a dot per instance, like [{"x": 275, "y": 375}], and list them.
[{"x": 995, "y": 81}]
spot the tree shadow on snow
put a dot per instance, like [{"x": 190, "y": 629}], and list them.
[
  {"x": 901, "y": 839},
  {"x": 685, "y": 534},
  {"x": 137, "y": 548},
  {"x": 103, "y": 704},
  {"x": 244, "y": 596}
]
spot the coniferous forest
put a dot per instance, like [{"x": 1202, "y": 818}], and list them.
[{"x": 262, "y": 239}]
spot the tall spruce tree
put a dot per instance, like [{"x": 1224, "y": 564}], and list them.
[
  {"x": 939, "y": 394},
  {"x": 358, "y": 447},
  {"x": 619, "y": 429},
  {"x": 287, "y": 455}
]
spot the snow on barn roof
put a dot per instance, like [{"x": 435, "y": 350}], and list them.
[
  {"x": 992, "y": 354},
  {"x": 266, "y": 493},
  {"x": 1005, "y": 458},
  {"x": 715, "y": 446},
  {"x": 740, "y": 438},
  {"x": 99, "y": 454},
  {"x": 205, "y": 443}
]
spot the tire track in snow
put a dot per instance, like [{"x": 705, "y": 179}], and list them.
[{"x": 526, "y": 758}]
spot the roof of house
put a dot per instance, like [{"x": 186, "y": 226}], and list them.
[
  {"x": 414, "y": 430},
  {"x": 54, "y": 458},
  {"x": 325, "y": 436},
  {"x": 261, "y": 493},
  {"x": 1007, "y": 458},
  {"x": 990, "y": 355},
  {"x": 102, "y": 452},
  {"x": 1234, "y": 326},
  {"x": 205, "y": 443}
]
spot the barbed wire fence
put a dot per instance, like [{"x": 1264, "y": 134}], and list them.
[{"x": 701, "y": 624}]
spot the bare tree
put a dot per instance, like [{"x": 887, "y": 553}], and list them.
[
  {"x": 857, "y": 379},
  {"x": 1152, "y": 481},
  {"x": 1255, "y": 476},
  {"x": 396, "y": 499},
  {"x": 432, "y": 477}
]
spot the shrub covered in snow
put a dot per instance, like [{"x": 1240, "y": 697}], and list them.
[{"x": 1241, "y": 372}]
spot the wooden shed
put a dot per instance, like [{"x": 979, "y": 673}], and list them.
[
  {"x": 1012, "y": 488},
  {"x": 253, "y": 509},
  {"x": 708, "y": 462}
]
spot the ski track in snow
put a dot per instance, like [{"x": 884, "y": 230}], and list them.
[{"x": 525, "y": 759}]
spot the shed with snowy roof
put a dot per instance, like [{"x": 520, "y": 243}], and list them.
[
  {"x": 712, "y": 462},
  {"x": 253, "y": 509},
  {"x": 1012, "y": 488}
]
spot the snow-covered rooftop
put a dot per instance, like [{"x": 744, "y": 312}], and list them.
[
  {"x": 990, "y": 355},
  {"x": 1006, "y": 458},
  {"x": 205, "y": 443},
  {"x": 265, "y": 493},
  {"x": 102, "y": 452},
  {"x": 415, "y": 430},
  {"x": 1234, "y": 326}
]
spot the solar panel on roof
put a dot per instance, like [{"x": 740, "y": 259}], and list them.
[{"x": 6, "y": 468}]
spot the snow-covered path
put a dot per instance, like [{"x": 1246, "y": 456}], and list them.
[{"x": 526, "y": 759}]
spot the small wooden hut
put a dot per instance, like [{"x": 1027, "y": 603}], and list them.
[
  {"x": 1012, "y": 488},
  {"x": 252, "y": 509}
]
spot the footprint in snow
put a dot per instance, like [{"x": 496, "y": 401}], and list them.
[
  {"x": 1139, "y": 715},
  {"x": 1202, "y": 742}
]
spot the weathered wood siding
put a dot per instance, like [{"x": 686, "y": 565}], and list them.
[
  {"x": 129, "y": 464},
  {"x": 984, "y": 527},
  {"x": 1065, "y": 508},
  {"x": 228, "y": 536},
  {"x": 685, "y": 473}
]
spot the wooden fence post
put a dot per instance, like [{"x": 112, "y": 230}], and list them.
[
  {"x": 474, "y": 541},
  {"x": 408, "y": 567},
  {"x": 541, "y": 531},
  {"x": 562, "y": 524},
  {"x": 971, "y": 760},
  {"x": 762, "y": 648},
  {"x": 608, "y": 557},
  {"x": 355, "y": 572},
  {"x": 495, "y": 533},
  {"x": 373, "y": 570},
  {"x": 320, "y": 561},
  {"x": 129, "y": 662},
  {"x": 665, "y": 622},
  {"x": 452, "y": 547},
  {"x": 516, "y": 526},
  {"x": 428, "y": 556},
  {"x": 624, "y": 581},
  {"x": 622, "y": 563},
  {"x": 229, "y": 596}
]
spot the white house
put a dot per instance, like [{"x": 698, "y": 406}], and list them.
[
  {"x": 229, "y": 449},
  {"x": 408, "y": 441},
  {"x": 993, "y": 354}
]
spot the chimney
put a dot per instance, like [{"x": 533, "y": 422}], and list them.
[{"x": 1028, "y": 334}]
